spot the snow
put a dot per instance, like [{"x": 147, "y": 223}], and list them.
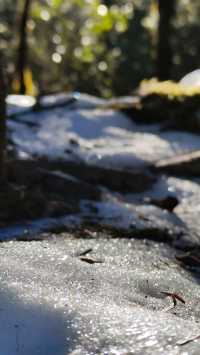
[
  {"x": 25, "y": 324},
  {"x": 182, "y": 189},
  {"x": 30, "y": 229},
  {"x": 91, "y": 130},
  {"x": 191, "y": 79},
  {"x": 45, "y": 307},
  {"x": 115, "y": 212},
  {"x": 96, "y": 136},
  {"x": 125, "y": 216},
  {"x": 81, "y": 100},
  {"x": 19, "y": 103},
  {"x": 105, "y": 138}
]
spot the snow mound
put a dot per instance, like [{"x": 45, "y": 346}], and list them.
[{"x": 191, "y": 79}]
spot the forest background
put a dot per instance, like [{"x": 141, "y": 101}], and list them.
[{"x": 99, "y": 47}]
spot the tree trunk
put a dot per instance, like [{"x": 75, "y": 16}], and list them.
[
  {"x": 2, "y": 119},
  {"x": 23, "y": 47},
  {"x": 165, "y": 29}
]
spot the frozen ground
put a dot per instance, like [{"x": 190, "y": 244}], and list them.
[{"x": 109, "y": 301}]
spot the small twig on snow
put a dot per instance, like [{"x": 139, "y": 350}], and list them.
[
  {"x": 174, "y": 297},
  {"x": 91, "y": 261},
  {"x": 187, "y": 341}
]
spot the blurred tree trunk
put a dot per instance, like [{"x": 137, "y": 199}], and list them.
[
  {"x": 165, "y": 29},
  {"x": 22, "y": 50},
  {"x": 2, "y": 119},
  {"x": 108, "y": 3}
]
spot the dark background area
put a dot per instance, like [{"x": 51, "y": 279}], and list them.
[{"x": 100, "y": 47}]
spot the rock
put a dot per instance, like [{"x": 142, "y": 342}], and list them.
[
  {"x": 168, "y": 203},
  {"x": 33, "y": 192},
  {"x": 137, "y": 180}
]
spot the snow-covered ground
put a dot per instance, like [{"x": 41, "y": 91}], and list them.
[
  {"x": 97, "y": 136},
  {"x": 84, "y": 131},
  {"x": 55, "y": 303}
]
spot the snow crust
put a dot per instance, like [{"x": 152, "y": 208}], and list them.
[{"x": 54, "y": 303}]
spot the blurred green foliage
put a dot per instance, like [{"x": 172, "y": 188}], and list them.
[{"x": 100, "y": 47}]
